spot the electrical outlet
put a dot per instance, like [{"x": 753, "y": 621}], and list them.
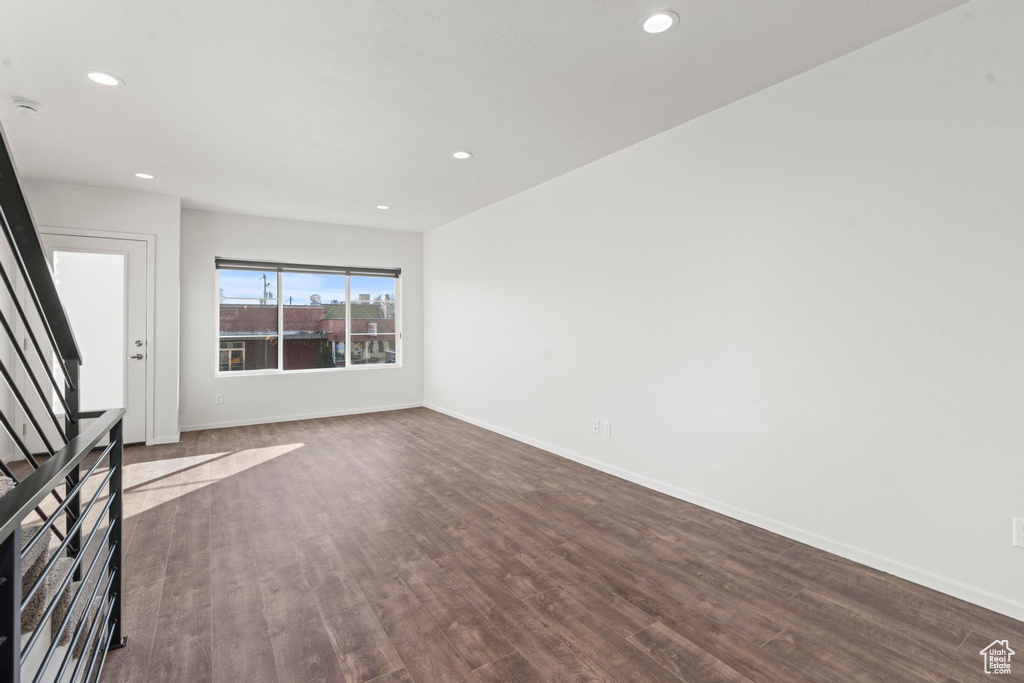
[
  {"x": 1018, "y": 532},
  {"x": 218, "y": 399},
  {"x": 595, "y": 425},
  {"x": 606, "y": 429}
]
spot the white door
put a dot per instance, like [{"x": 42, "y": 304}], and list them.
[{"x": 102, "y": 284}]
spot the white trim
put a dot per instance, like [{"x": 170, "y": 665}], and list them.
[
  {"x": 164, "y": 439},
  {"x": 151, "y": 341},
  {"x": 295, "y": 418},
  {"x": 250, "y": 373},
  {"x": 274, "y": 371},
  {"x": 956, "y": 589}
]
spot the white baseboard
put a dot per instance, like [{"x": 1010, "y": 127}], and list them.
[
  {"x": 956, "y": 589},
  {"x": 164, "y": 439},
  {"x": 294, "y": 418}
]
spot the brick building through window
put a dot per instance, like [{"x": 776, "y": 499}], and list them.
[{"x": 314, "y": 335}]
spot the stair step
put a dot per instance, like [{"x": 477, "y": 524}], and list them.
[
  {"x": 34, "y": 610},
  {"x": 77, "y": 616},
  {"x": 32, "y": 564},
  {"x": 61, "y": 570},
  {"x": 32, "y": 568},
  {"x": 89, "y": 618}
]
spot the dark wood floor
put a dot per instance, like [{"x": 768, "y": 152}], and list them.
[{"x": 408, "y": 546}]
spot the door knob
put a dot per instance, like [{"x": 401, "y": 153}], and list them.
[{"x": 137, "y": 356}]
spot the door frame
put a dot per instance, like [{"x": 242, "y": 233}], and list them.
[{"x": 151, "y": 341}]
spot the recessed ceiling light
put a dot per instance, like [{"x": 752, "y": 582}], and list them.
[
  {"x": 103, "y": 78},
  {"x": 145, "y": 176},
  {"x": 383, "y": 207},
  {"x": 462, "y": 155},
  {"x": 659, "y": 22}
]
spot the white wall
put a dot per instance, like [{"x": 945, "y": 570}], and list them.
[
  {"x": 803, "y": 309},
  {"x": 264, "y": 398},
  {"x": 56, "y": 205}
]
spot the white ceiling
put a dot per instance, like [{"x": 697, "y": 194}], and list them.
[{"x": 322, "y": 109}]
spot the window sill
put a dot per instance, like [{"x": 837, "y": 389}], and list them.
[{"x": 274, "y": 371}]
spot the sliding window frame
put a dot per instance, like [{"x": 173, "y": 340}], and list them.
[{"x": 281, "y": 269}]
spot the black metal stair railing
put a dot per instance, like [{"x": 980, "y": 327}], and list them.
[
  {"x": 60, "y": 595},
  {"x": 102, "y": 548}
]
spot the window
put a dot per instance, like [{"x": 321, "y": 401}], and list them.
[
  {"x": 373, "y": 320},
  {"x": 314, "y": 320},
  {"x": 248, "y": 320},
  {"x": 285, "y": 317}
]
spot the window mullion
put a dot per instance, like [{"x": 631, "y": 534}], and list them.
[
  {"x": 280, "y": 322},
  {"x": 348, "y": 322},
  {"x": 398, "y": 322}
]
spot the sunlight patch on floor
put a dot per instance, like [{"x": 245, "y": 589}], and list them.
[{"x": 189, "y": 473}]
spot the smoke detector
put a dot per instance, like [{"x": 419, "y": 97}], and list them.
[{"x": 26, "y": 106}]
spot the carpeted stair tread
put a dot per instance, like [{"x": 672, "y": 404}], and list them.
[
  {"x": 76, "y": 617},
  {"x": 35, "y": 609},
  {"x": 60, "y": 571},
  {"x": 32, "y": 566},
  {"x": 89, "y": 618}
]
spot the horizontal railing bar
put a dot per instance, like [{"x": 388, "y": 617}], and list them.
[
  {"x": 106, "y": 648},
  {"x": 89, "y": 414},
  {"x": 38, "y": 510},
  {"x": 35, "y": 385},
  {"x": 71, "y": 533},
  {"x": 81, "y": 628},
  {"x": 7, "y": 471},
  {"x": 35, "y": 343},
  {"x": 16, "y": 505},
  {"x": 69, "y": 350},
  {"x": 29, "y": 413},
  {"x": 71, "y": 608},
  {"x": 9, "y": 428},
  {"x": 27, "y": 248},
  {"x": 105, "y": 643},
  {"x": 88, "y": 638},
  {"x": 67, "y": 498}
]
